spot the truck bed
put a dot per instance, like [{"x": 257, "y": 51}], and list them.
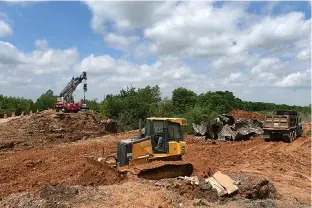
[{"x": 279, "y": 122}]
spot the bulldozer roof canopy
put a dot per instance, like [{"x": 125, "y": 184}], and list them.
[{"x": 181, "y": 121}]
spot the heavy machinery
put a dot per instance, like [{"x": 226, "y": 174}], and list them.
[
  {"x": 154, "y": 154},
  {"x": 284, "y": 125},
  {"x": 65, "y": 102}
]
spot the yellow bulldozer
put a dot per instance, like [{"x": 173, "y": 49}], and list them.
[{"x": 155, "y": 154}]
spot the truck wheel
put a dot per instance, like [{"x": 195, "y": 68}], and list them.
[
  {"x": 291, "y": 136},
  {"x": 287, "y": 138}
]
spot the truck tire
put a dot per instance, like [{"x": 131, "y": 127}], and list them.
[
  {"x": 291, "y": 136},
  {"x": 272, "y": 137},
  {"x": 287, "y": 137}
]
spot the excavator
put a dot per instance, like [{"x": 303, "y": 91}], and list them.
[
  {"x": 65, "y": 102},
  {"x": 155, "y": 154}
]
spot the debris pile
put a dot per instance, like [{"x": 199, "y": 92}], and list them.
[
  {"x": 255, "y": 187},
  {"x": 221, "y": 187},
  {"x": 49, "y": 127},
  {"x": 242, "y": 125}
]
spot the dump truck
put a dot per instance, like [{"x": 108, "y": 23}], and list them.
[
  {"x": 154, "y": 154},
  {"x": 283, "y": 125}
]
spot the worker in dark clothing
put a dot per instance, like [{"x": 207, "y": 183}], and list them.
[{"x": 160, "y": 143}]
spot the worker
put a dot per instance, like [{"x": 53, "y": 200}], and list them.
[
  {"x": 299, "y": 129},
  {"x": 159, "y": 143}
]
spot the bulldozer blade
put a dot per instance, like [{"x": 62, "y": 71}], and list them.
[
  {"x": 157, "y": 170},
  {"x": 99, "y": 164},
  {"x": 104, "y": 166}
]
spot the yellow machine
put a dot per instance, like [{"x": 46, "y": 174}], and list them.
[{"x": 156, "y": 153}]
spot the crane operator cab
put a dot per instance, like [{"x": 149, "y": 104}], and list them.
[{"x": 164, "y": 133}]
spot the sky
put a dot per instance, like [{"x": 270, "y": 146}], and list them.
[{"x": 260, "y": 51}]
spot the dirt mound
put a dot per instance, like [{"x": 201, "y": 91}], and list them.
[
  {"x": 245, "y": 114},
  {"x": 47, "y": 127},
  {"x": 92, "y": 175},
  {"x": 255, "y": 187}
]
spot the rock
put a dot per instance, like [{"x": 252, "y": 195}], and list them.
[
  {"x": 193, "y": 180},
  {"x": 206, "y": 186},
  {"x": 237, "y": 183},
  {"x": 158, "y": 184},
  {"x": 196, "y": 202},
  {"x": 201, "y": 202},
  {"x": 263, "y": 190}
]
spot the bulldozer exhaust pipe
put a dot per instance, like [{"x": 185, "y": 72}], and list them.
[{"x": 140, "y": 127}]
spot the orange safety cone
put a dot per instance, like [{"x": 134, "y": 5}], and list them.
[
  {"x": 13, "y": 114},
  {"x": 5, "y": 115}
]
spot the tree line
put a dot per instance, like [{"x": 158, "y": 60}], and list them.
[
  {"x": 8, "y": 105},
  {"x": 132, "y": 104}
]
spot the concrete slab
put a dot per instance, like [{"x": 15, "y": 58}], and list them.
[
  {"x": 225, "y": 182},
  {"x": 220, "y": 190}
]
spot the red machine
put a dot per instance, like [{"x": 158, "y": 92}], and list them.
[{"x": 66, "y": 102}]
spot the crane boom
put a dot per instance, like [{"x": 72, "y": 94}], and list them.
[{"x": 68, "y": 91}]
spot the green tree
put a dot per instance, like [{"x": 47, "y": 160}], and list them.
[
  {"x": 46, "y": 100},
  {"x": 183, "y": 99},
  {"x": 93, "y": 105}
]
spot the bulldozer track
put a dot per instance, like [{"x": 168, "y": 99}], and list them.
[{"x": 156, "y": 170}]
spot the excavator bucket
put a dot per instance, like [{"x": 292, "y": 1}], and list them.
[{"x": 157, "y": 170}]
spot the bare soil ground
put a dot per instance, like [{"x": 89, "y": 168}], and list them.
[
  {"x": 32, "y": 177},
  {"x": 287, "y": 165}
]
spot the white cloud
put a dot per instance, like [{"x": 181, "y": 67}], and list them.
[
  {"x": 41, "y": 44},
  {"x": 5, "y": 29},
  {"x": 272, "y": 29},
  {"x": 167, "y": 72},
  {"x": 119, "y": 41},
  {"x": 195, "y": 29},
  {"x": 127, "y": 16},
  {"x": 296, "y": 80},
  {"x": 43, "y": 60}
]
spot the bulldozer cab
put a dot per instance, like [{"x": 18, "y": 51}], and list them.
[{"x": 162, "y": 131}]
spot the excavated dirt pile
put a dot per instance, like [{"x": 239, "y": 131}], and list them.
[
  {"x": 245, "y": 114},
  {"x": 47, "y": 127}
]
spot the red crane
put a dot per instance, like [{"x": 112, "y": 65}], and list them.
[{"x": 65, "y": 102}]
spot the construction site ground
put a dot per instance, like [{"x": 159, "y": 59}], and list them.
[{"x": 56, "y": 174}]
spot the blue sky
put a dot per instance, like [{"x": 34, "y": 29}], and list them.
[
  {"x": 63, "y": 24},
  {"x": 122, "y": 43}
]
